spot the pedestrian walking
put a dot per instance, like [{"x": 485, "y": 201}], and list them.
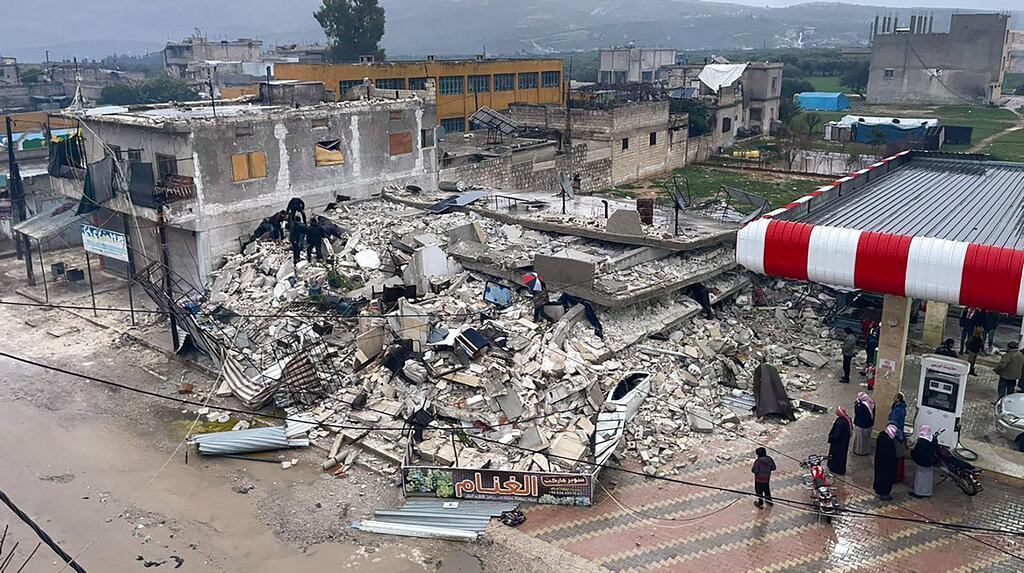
[
  {"x": 975, "y": 344},
  {"x": 839, "y": 441},
  {"x": 991, "y": 323},
  {"x": 968, "y": 321},
  {"x": 885, "y": 463},
  {"x": 898, "y": 418},
  {"x": 925, "y": 455},
  {"x": 1010, "y": 369},
  {"x": 863, "y": 421},
  {"x": 849, "y": 351},
  {"x": 763, "y": 467},
  {"x": 946, "y": 349}
]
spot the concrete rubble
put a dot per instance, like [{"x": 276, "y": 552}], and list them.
[{"x": 406, "y": 344}]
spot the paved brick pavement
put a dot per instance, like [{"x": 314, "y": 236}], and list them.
[{"x": 669, "y": 527}]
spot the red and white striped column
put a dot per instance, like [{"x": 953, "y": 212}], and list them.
[{"x": 954, "y": 272}]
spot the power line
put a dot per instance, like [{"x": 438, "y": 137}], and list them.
[{"x": 43, "y": 536}]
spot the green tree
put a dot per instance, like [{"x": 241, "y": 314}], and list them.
[
  {"x": 856, "y": 77},
  {"x": 792, "y": 87},
  {"x": 159, "y": 90},
  {"x": 354, "y": 28},
  {"x": 32, "y": 76}
]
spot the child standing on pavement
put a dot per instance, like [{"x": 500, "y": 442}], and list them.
[{"x": 764, "y": 465}]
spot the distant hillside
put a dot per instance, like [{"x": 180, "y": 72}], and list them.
[{"x": 98, "y": 27}]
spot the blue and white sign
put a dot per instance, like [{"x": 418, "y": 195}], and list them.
[{"x": 103, "y": 242}]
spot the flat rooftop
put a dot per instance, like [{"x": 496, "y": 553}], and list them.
[{"x": 958, "y": 199}]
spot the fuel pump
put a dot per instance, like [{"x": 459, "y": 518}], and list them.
[{"x": 940, "y": 397}]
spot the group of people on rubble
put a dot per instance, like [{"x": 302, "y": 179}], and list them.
[
  {"x": 891, "y": 450},
  {"x": 301, "y": 233}
]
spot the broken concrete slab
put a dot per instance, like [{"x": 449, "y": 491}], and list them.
[
  {"x": 699, "y": 420},
  {"x": 812, "y": 359},
  {"x": 625, "y": 222},
  {"x": 470, "y": 232}
]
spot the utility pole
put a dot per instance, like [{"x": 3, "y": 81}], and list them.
[
  {"x": 18, "y": 199},
  {"x": 165, "y": 260}
]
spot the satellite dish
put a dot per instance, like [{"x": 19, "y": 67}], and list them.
[{"x": 566, "y": 186}]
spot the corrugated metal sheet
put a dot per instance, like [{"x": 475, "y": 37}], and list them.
[
  {"x": 428, "y": 517},
  {"x": 51, "y": 222},
  {"x": 245, "y": 441},
  {"x": 942, "y": 198}
]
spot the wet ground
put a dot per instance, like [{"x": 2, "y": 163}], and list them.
[{"x": 96, "y": 468}]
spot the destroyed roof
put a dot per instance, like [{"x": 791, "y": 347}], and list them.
[
  {"x": 184, "y": 114},
  {"x": 51, "y": 222}
]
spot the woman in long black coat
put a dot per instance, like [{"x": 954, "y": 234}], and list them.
[
  {"x": 885, "y": 463},
  {"x": 839, "y": 441}
]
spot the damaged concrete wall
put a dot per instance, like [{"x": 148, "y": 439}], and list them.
[
  {"x": 594, "y": 168},
  {"x": 637, "y": 135},
  {"x": 231, "y": 209}
]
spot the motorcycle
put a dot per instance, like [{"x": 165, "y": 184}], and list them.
[
  {"x": 964, "y": 474},
  {"x": 823, "y": 494}
]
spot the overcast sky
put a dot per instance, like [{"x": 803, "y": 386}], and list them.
[{"x": 963, "y": 4}]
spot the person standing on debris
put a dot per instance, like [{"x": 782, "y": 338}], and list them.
[
  {"x": 1010, "y": 369},
  {"x": 849, "y": 351},
  {"x": 314, "y": 241},
  {"x": 975, "y": 344},
  {"x": 898, "y": 418},
  {"x": 763, "y": 467},
  {"x": 296, "y": 207},
  {"x": 947, "y": 349},
  {"x": 926, "y": 455},
  {"x": 839, "y": 441},
  {"x": 863, "y": 421},
  {"x": 296, "y": 234},
  {"x": 885, "y": 463}
]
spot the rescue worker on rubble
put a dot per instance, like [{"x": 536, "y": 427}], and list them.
[
  {"x": 268, "y": 226},
  {"x": 296, "y": 235},
  {"x": 296, "y": 207},
  {"x": 314, "y": 240},
  {"x": 329, "y": 229}
]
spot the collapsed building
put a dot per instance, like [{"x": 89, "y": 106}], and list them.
[{"x": 419, "y": 340}]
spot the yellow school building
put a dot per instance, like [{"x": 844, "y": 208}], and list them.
[{"x": 463, "y": 86}]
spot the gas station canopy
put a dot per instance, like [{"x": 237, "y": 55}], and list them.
[{"x": 934, "y": 226}]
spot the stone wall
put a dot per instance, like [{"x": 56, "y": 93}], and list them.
[{"x": 594, "y": 167}]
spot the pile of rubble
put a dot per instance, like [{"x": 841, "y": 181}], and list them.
[{"x": 416, "y": 364}]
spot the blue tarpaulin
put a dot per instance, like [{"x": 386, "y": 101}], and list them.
[
  {"x": 822, "y": 101},
  {"x": 885, "y": 134}
]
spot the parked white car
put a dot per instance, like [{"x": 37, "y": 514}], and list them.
[{"x": 1010, "y": 418}]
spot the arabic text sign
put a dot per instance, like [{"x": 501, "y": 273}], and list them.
[
  {"x": 495, "y": 485},
  {"x": 103, "y": 242}
]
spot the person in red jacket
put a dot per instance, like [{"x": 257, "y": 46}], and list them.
[{"x": 763, "y": 467}]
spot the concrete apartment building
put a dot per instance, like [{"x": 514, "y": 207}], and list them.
[
  {"x": 218, "y": 176},
  {"x": 915, "y": 65},
  {"x": 463, "y": 86},
  {"x": 762, "y": 92},
  {"x": 1015, "y": 51},
  {"x": 191, "y": 59},
  {"x": 639, "y": 138},
  {"x": 632, "y": 64}
]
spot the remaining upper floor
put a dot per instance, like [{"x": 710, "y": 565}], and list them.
[{"x": 209, "y": 165}]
